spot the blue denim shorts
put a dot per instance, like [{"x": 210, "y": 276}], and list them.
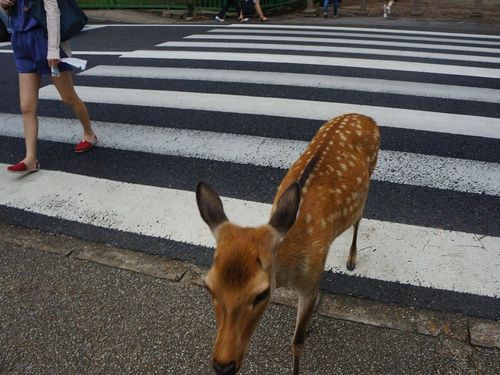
[{"x": 30, "y": 52}]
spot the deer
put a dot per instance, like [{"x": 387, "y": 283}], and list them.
[{"x": 322, "y": 195}]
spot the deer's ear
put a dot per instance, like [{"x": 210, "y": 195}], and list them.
[
  {"x": 286, "y": 209},
  {"x": 210, "y": 206}
]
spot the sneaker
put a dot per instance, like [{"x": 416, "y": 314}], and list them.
[
  {"x": 244, "y": 19},
  {"x": 217, "y": 18},
  {"x": 325, "y": 14},
  {"x": 385, "y": 15}
]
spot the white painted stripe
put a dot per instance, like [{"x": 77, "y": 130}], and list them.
[
  {"x": 366, "y": 29},
  {"x": 335, "y": 49},
  {"x": 407, "y": 254},
  {"x": 305, "y": 109},
  {"x": 96, "y": 53},
  {"x": 467, "y": 176},
  {"x": 4, "y": 44},
  {"x": 375, "y": 43},
  {"x": 365, "y": 36},
  {"x": 318, "y": 60},
  {"x": 93, "y": 27},
  {"x": 301, "y": 80},
  {"x": 162, "y": 25}
]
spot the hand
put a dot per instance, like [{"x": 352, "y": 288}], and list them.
[
  {"x": 51, "y": 62},
  {"x": 7, "y": 4}
]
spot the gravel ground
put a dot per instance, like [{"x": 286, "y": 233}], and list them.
[{"x": 62, "y": 315}]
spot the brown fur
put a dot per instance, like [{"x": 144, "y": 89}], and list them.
[{"x": 249, "y": 261}]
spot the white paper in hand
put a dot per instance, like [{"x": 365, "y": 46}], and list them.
[{"x": 77, "y": 63}]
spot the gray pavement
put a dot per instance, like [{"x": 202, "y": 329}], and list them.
[{"x": 62, "y": 314}]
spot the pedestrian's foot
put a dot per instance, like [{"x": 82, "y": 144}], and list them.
[
  {"x": 325, "y": 14},
  {"x": 86, "y": 144},
  {"x": 244, "y": 19},
  {"x": 385, "y": 15},
  {"x": 264, "y": 19},
  {"x": 217, "y": 18},
  {"x": 24, "y": 167}
]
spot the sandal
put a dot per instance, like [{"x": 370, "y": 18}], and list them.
[
  {"x": 265, "y": 19},
  {"x": 244, "y": 19},
  {"x": 85, "y": 145},
  {"x": 22, "y": 167}
]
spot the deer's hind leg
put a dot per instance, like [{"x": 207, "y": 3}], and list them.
[{"x": 351, "y": 260}]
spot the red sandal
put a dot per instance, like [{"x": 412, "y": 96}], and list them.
[
  {"x": 21, "y": 167},
  {"x": 85, "y": 145}
]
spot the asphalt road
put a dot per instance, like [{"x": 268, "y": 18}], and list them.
[{"x": 62, "y": 315}]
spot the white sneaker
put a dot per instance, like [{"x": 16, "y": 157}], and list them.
[
  {"x": 325, "y": 14},
  {"x": 219, "y": 19},
  {"x": 385, "y": 15}
]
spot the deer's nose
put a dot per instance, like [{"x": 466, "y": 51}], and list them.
[{"x": 225, "y": 369}]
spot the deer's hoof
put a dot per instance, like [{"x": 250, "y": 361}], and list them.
[{"x": 351, "y": 266}]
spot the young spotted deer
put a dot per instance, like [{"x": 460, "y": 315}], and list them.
[{"x": 322, "y": 195}]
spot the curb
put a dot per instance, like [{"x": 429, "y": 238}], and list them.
[{"x": 458, "y": 327}]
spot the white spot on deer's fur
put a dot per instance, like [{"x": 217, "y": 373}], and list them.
[
  {"x": 331, "y": 168},
  {"x": 338, "y": 158},
  {"x": 347, "y": 132},
  {"x": 359, "y": 133},
  {"x": 331, "y": 191},
  {"x": 342, "y": 136},
  {"x": 359, "y": 179},
  {"x": 351, "y": 208},
  {"x": 350, "y": 146},
  {"x": 310, "y": 231},
  {"x": 331, "y": 143},
  {"x": 342, "y": 144},
  {"x": 343, "y": 166},
  {"x": 323, "y": 223},
  {"x": 338, "y": 191},
  {"x": 351, "y": 163},
  {"x": 304, "y": 190},
  {"x": 343, "y": 187},
  {"x": 339, "y": 173},
  {"x": 308, "y": 217}
]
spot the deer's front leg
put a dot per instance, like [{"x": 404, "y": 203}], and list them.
[{"x": 305, "y": 310}]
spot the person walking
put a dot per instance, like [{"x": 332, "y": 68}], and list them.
[
  {"x": 225, "y": 7},
  {"x": 387, "y": 7},
  {"x": 335, "y": 8},
  {"x": 38, "y": 51},
  {"x": 249, "y": 6}
]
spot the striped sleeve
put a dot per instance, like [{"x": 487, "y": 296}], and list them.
[{"x": 53, "y": 28}]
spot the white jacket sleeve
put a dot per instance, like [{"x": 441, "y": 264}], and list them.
[{"x": 53, "y": 28}]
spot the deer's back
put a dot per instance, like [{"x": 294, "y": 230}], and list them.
[{"x": 334, "y": 195}]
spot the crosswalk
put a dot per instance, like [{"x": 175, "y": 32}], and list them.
[{"x": 235, "y": 106}]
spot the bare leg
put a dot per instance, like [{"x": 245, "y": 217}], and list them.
[
  {"x": 351, "y": 261},
  {"x": 305, "y": 310},
  {"x": 258, "y": 9},
  {"x": 29, "y": 83},
  {"x": 64, "y": 84}
]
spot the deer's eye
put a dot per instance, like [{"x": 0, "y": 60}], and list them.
[{"x": 261, "y": 297}]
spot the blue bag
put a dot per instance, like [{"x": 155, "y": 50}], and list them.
[{"x": 72, "y": 17}]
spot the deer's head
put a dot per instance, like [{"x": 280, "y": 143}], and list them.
[{"x": 241, "y": 280}]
